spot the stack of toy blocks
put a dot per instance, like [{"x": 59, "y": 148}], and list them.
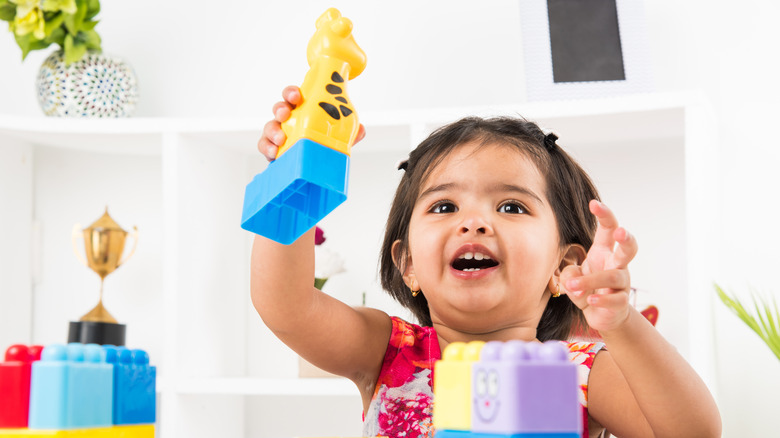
[
  {"x": 86, "y": 391},
  {"x": 516, "y": 389}
]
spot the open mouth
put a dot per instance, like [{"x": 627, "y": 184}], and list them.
[{"x": 472, "y": 261}]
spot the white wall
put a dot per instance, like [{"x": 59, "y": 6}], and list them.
[{"x": 231, "y": 58}]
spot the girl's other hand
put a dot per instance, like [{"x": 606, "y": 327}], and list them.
[
  {"x": 600, "y": 287},
  {"x": 273, "y": 137}
]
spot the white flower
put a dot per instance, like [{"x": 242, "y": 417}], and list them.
[{"x": 327, "y": 263}]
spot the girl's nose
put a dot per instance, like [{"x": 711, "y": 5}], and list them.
[{"x": 476, "y": 224}]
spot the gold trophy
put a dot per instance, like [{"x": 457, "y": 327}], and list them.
[{"x": 104, "y": 244}]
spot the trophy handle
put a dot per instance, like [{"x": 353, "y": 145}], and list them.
[
  {"x": 134, "y": 234},
  {"x": 74, "y": 237}
]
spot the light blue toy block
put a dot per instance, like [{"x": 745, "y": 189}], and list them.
[
  {"x": 134, "y": 385},
  {"x": 524, "y": 435},
  {"x": 71, "y": 387},
  {"x": 447, "y": 433},
  {"x": 296, "y": 191}
]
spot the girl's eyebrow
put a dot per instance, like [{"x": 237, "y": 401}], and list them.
[
  {"x": 498, "y": 188},
  {"x": 438, "y": 188},
  {"x": 518, "y": 189}
]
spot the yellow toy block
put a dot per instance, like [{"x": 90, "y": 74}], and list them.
[
  {"x": 326, "y": 115},
  {"x": 132, "y": 431},
  {"x": 452, "y": 386},
  {"x": 98, "y": 432}
]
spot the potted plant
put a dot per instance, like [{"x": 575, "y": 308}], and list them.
[
  {"x": 765, "y": 322},
  {"x": 37, "y": 24},
  {"x": 77, "y": 80}
]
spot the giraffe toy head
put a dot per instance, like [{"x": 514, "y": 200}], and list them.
[{"x": 333, "y": 38}]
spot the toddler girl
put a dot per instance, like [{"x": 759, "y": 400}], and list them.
[{"x": 495, "y": 233}]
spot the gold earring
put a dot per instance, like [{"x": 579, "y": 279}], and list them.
[
  {"x": 557, "y": 292},
  {"x": 415, "y": 293},
  {"x": 415, "y": 287}
]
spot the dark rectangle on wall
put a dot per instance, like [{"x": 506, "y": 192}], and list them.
[{"x": 585, "y": 41}]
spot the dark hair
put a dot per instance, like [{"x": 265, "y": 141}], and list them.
[{"x": 569, "y": 190}]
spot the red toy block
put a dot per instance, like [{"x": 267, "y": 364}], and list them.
[{"x": 15, "y": 384}]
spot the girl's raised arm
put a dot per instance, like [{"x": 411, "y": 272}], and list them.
[
  {"x": 640, "y": 386},
  {"x": 346, "y": 341}
]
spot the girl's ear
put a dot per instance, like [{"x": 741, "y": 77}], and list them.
[
  {"x": 574, "y": 254},
  {"x": 403, "y": 262}
]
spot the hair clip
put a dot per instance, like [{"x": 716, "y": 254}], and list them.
[
  {"x": 549, "y": 141},
  {"x": 403, "y": 164}
]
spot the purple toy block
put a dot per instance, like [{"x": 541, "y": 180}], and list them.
[{"x": 525, "y": 389}]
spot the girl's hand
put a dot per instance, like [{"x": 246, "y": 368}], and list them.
[
  {"x": 273, "y": 136},
  {"x": 600, "y": 287}
]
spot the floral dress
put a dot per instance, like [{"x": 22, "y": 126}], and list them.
[{"x": 402, "y": 405}]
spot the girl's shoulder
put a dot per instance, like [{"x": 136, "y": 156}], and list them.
[
  {"x": 583, "y": 352},
  {"x": 411, "y": 342}
]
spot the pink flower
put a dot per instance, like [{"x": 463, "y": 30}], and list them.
[{"x": 319, "y": 236}]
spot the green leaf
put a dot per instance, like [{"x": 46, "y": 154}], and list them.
[
  {"x": 768, "y": 323},
  {"x": 89, "y": 25},
  {"x": 53, "y": 24},
  {"x": 28, "y": 43},
  {"x": 73, "y": 50},
  {"x": 91, "y": 39},
  {"x": 93, "y": 8},
  {"x": 7, "y": 10},
  {"x": 73, "y": 22},
  {"x": 57, "y": 37}
]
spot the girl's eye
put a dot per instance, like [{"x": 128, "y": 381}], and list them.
[
  {"x": 512, "y": 208},
  {"x": 444, "y": 207}
]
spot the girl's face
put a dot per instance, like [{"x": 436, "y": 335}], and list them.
[{"x": 483, "y": 240}]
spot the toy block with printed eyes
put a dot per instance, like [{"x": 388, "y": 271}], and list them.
[
  {"x": 134, "y": 386},
  {"x": 71, "y": 388},
  {"x": 452, "y": 388},
  {"x": 15, "y": 373},
  {"x": 309, "y": 177},
  {"x": 525, "y": 389}
]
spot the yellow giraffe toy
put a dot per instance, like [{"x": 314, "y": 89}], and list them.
[
  {"x": 309, "y": 177},
  {"x": 326, "y": 114}
]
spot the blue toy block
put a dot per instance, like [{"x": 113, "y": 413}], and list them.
[
  {"x": 525, "y": 390},
  {"x": 296, "y": 191},
  {"x": 525, "y": 435},
  {"x": 134, "y": 385},
  {"x": 446, "y": 433},
  {"x": 71, "y": 387}
]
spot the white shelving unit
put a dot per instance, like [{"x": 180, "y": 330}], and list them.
[{"x": 184, "y": 295}]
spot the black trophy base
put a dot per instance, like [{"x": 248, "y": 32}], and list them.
[{"x": 103, "y": 333}]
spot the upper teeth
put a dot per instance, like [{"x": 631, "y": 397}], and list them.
[{"x": 474, "y": 255}]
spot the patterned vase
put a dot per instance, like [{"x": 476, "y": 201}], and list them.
[{"x": 97, "y": 85}]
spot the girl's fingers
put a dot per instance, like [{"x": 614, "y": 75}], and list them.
[
  {"x": 626, "y": 249},
  {"x": 615, "y": 302},
  {"x": 292, "y": 94},
  {"x": 577, "y": 296},
  {"x": 361, "y": 134},
  {"x": 282, "y": 111},
  {"x": 614, "y": 279},
  {"x": 607, "y": 224},
  {"x": 272, "y": 138}
]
